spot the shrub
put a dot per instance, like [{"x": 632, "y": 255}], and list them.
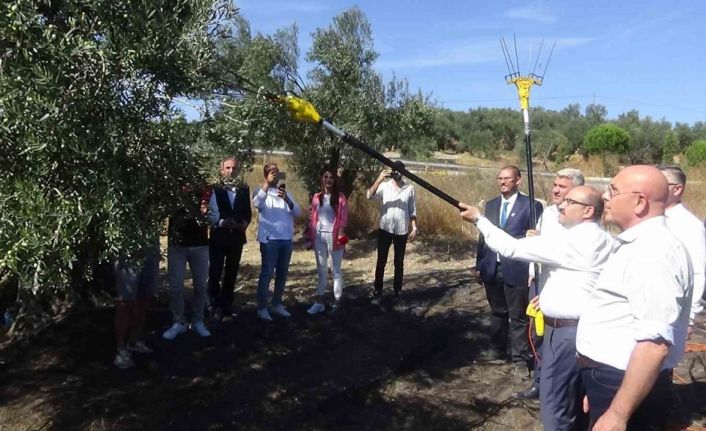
[{"x": 696, "y": 153}]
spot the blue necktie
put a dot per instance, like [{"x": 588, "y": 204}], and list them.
[{"x": 503, "y": 214}]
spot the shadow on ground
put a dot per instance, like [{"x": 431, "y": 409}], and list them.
[{"x": 404, "y": 365}]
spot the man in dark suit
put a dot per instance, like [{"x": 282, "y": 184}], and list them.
[
  {"x": 232, "y": 202},
  {"x": 505, "y": 280}
]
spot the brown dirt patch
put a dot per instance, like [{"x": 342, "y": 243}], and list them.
[{"x": 403, "y": 366}]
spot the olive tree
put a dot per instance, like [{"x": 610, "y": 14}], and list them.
[{"x": 92, "y": 151}]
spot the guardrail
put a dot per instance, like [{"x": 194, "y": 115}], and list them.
[{"x": 416, "y": 166}]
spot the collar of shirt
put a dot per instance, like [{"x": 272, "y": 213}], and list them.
[
  {"x": 677, "y": 210},
  {"x": 511, "y": 200},
  {"x": 640, "y": 229}
]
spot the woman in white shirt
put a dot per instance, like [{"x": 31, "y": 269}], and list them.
[
  {"x": 275, "y": 231},
  {"x": 398, "y": 223},
  {"x": 328, "y": 217}
]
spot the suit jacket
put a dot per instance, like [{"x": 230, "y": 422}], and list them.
[
  {"x": 241, "y": 212},
  {"x": 518, "y": 222}
]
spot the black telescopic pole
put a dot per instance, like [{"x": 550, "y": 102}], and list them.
[
  {"x": 530, "y": 176},
  {"x": 355, "y": 142}
]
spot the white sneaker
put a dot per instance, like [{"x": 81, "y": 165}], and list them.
[
  {"x": 200, "y": 329},
  {"x": 139, "y": 346},
  {"x": 263, "y": 314},
  {"x": 123, "y": 360},
  {"x": 280, "y": 311},
  {"x": 316, "y": 308},
  {"x": 176, "y": 329}
]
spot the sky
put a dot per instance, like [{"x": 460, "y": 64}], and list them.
[{"x": 644, "y": 55}]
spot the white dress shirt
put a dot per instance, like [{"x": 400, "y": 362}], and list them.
[
  {"x": 276, "y": 218},
  {"x": 643, "y": 293},
  {"x": 572, "y": 260},
  {"x": 547, "y": 225},
  {"x": 399, "y": 206},
  {"x": 690, "y": 231}
]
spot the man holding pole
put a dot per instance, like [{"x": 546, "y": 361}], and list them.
[{"x": 572, "y": 259}]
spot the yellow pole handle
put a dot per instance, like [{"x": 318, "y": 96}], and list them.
[{"x": 538, "y": 319}]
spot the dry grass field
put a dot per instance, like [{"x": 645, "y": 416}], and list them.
[{"x": 438, "y": 218}]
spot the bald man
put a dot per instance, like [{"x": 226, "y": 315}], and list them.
[
  {"x": 572, "y": 259},
  {"x": 633, "y": 331}
]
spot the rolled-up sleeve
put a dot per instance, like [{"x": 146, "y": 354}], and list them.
[
  {"x": 412, "y": 204},
  {"x": 653, "y": 297}
]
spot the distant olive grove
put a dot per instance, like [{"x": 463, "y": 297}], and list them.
[{"x": 560, "y": 134}]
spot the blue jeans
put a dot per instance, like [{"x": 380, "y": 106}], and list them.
[
  {"x": 601, "y": 385},
  {"x": 275, "y": 260}
]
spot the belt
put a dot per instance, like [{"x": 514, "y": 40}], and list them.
[
  {"x": 586, "y": 362},
  {"x": 560, "y": 323}
]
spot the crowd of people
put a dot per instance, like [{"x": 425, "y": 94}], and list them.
[
  {"x": 617, "y": 309},
  {"x": 209, "y": 236}
]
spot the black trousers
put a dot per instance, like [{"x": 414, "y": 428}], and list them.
[
  {"x": 221, "y": 295},
  {"x": 508, "y": 320},
  {"x": 400, "y": 243}
]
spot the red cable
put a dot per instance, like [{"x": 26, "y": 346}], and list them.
[{"x": 531, "y": 342}]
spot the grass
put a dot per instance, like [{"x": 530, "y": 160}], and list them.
[{"x": 436, "y": 217}]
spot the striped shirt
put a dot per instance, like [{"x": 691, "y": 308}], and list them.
[
  {"x": 642, "y": 294},
  {"x": 399, "y": 206}
]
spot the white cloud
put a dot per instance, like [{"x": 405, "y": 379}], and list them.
[
  {"x": 469, "y": 52},
  {"x": 531, "y": 13},
  {"x": 455, "y": 53}
]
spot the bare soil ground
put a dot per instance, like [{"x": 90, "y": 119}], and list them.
[{"x": 407, "y": 365}]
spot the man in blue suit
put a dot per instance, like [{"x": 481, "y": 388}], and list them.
[{"x": 505, "y": 280}]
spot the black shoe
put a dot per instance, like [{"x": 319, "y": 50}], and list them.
[
  {"x": 492, "y": 357},
  {"x": 530, "y": 394}
]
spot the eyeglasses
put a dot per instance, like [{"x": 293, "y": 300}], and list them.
[
  {"x": 613, "y": 192},
  {"x": 568, "y": 202},
  {"x": 506, "y": 178}
]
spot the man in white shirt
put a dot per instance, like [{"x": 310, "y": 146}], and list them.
[
  {"x": 572, "y": 260},
  {"x": 633, "y": 331},
  {"x": 689, "y": 230},
  {"x": 548, "y": 225}
]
